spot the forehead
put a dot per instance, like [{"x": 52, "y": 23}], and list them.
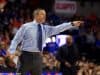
[
  {"x": 69, "y": 37},
  {"x": 42, "y": 12}
]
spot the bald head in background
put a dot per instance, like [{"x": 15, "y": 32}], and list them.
[{"x": 69, "y": 40}]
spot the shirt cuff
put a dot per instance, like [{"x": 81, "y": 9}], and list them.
[
  {"x": 72, "y": 24},
  {"x": 11, "y": 51}
]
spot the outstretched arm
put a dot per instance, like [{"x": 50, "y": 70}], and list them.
[{"x": 53, "y": 30}]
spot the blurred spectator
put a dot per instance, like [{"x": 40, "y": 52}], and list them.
[
  {"x": 90, "y": 39},
  {"x": 3, "y": 50},
  {"x": 96, "y": 70},
  {"x": 2, "y": 65},
  {"x": 98, "y": 40},
  {"x": 50, "y": 63},
  {"x": 97, "y": 49},
  {"x": 67, "y": 56}
]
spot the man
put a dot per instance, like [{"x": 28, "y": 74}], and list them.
[
  {"x": 67, "y": 55},
  {"x": 32, "y": 37}
]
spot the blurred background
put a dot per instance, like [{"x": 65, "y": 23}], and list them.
[{"x": 13, "y": 13}]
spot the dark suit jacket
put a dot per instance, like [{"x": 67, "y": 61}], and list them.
[{"x": 67, "y": 53}]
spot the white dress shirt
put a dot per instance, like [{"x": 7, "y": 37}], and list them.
[{"x": 27, "y": 35}]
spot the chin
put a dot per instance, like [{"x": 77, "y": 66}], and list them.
[{"x": 43, "y": 22}]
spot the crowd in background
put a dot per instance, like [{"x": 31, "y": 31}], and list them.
[{"x": 87, "y": 38}]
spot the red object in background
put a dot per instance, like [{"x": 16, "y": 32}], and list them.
[
  {"x": 2, "y": 4},
  {"x": 2, "y": 1},
  {"x": 92, "y": 17}
]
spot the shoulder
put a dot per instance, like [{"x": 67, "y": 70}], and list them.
[
  {"x": 47, "y": 25},
  {"x": 28, "y": 24},
  {"x": 62, "y": 47},
  {"x": 75, "y": 45}
]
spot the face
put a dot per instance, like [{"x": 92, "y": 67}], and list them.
[
  {"x": 1, "y": 60},
  {"x": 41, "y": 16},
  {"x": 3, "y": 45},
  {"x": 69, "y": 40}
]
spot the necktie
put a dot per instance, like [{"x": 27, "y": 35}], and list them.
[{"x": 39, "y": 40}]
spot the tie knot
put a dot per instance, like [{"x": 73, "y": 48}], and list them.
[{"x": 39, "y": 24}]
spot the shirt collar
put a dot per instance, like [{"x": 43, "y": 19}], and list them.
[{"x": 34, "y": 21}]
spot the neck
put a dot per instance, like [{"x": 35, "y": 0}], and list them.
[
  {"x": 69, "y": 44},
  {"x": 37, "y": 21}
]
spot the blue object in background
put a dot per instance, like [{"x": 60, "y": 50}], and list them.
[
  {"x": 44, "y": 73},
  {"x": 2, "y": 52},
  {"x": 52, "y": 47},
  {"x": 98, "y": 43}
]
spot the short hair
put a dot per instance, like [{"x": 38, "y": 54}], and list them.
[{"x": 37, "y": 11}]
